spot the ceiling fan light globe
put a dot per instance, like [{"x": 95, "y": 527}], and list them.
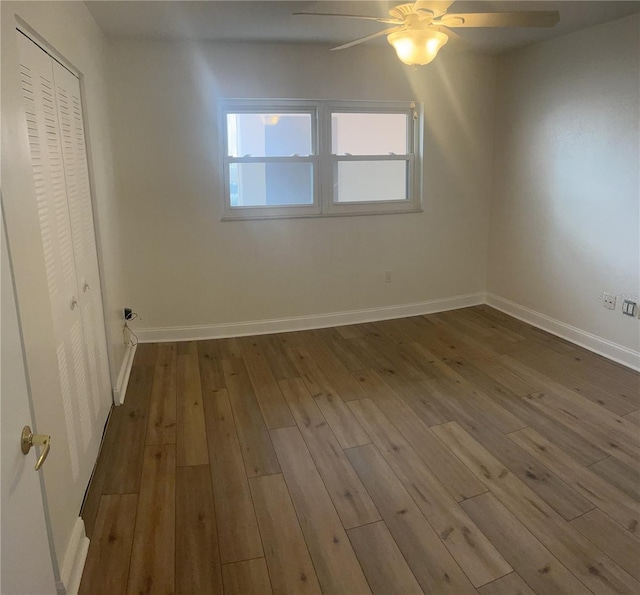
[{"x": 418, "y": 47}]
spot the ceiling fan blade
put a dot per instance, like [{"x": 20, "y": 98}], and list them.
[
  {"x": 348, "y": 16},
  {"x": 536, "y": 18},
  {"x": 437, "y": 8},
  {"x": 367, "y": 38},
  {"x": 455, "y": 40}
]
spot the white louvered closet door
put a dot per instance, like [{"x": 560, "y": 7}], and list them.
[
  {"x": 60, "y": 227},
  {"x": 74, "y": 154}
]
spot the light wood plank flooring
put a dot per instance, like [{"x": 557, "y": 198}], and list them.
[{"x": 461, "y": 452}]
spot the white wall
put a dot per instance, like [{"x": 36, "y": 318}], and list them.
[
  {"x": 186, "y": 267},
  {"x": 70, "y": 29},
  {"x": 565, "y": 212}
]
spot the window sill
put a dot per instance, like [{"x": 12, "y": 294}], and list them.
[{"x": 258, "y": 217}]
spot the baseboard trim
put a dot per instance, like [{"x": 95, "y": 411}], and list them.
[
  {"x": 604, "y": 347},
  {"x": 120, "y": 391},
  {"x": 74, "y": 560},
  {"x": 609, "y": 349},
  {"x": 281, "y": 325}
]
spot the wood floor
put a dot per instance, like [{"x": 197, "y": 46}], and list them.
[{"x": 461, "y": 452}]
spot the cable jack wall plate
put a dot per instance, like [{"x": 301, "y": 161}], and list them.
[{"x": 609, "y": 301}]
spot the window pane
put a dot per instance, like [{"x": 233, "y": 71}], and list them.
[
  {"x": 364, "y": 181},
  {"x": 270, "y": 184},
  {"x": 269, "y": 135},
  {"x": 368, "y": 134}
]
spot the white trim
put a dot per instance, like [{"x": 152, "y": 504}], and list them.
[
  {"x": 120, "y": 391},
  {"x": 322, "y": 160},
  {"x": 413, "y": 158},
  {"x": 609, "y": 349},
  {"x": 280, "y": 325},
  {"x": 74, "y": 560},
  {"x": 26, "y": 29},
  {"x": 284, "y": 106}
]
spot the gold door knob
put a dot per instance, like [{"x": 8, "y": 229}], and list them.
[{"x": 29, "y": 439}]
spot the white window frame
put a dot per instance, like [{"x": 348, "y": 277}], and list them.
[{"x": 323, "y": 161}]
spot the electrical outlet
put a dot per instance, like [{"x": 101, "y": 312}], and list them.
[
  {"x": 629, "y": 308},
  {"x": 609, "y": 301},
  {"x": 387, "y": 276},
  {"x": 127, "y": 313}
]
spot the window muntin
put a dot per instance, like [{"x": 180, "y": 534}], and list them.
[{"x": 291, "y": 158}]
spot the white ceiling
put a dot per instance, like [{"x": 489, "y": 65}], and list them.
[{"x": 271, "y": 21}]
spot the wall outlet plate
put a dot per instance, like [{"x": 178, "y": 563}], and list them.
[
  {"x": 609, "y": 301},
  {"x": 629, "y": 308}
]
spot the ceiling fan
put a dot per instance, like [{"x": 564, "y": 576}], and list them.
[{"x": 421, "y": 28}]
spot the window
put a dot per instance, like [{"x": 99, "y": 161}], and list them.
[{"x": 286, "y": 158}]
